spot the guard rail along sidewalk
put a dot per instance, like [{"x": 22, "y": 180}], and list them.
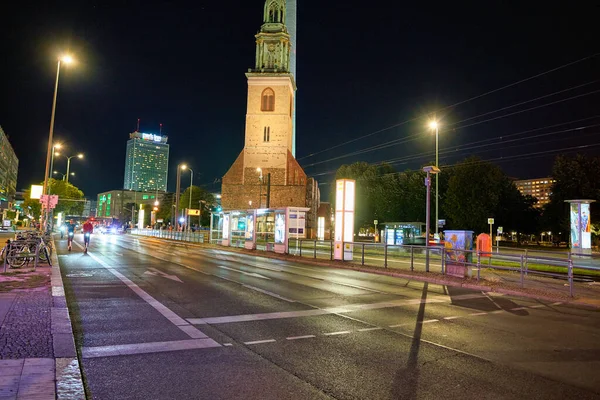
[{"x": 184, "y": 236}]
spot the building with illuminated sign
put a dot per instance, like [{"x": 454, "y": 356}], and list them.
[
  {"x": 147, "y": 162},
  {"x": 540, "y": 188},
  {"x": 266, "y": 173},
  {"x": 118, "y": 203},
  {"x": 9, "y": 165}
]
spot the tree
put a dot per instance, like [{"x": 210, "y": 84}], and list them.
[
  {"x": 200, "y": 198},
  {"x": 70, "y": 199},
  {"x": 479, "y": 190},
  {"x": 576, "y": 177}
]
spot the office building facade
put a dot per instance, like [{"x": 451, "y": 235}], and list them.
[
  {"x": 147, "y": 162},
  {"x": 9, "y": 166},
  {"x": 540, "y": 188},
  {"x": 118, "y": 203}
]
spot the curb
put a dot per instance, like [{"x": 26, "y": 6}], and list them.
[
  {"x": 589, "y": 303},
  {"x": 69, "y": 383}
]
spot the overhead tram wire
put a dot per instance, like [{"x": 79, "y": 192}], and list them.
[
  {"x": 424, "y": 155},
  {"x": 414, "y": 136},
  {"x": 453, "y": 105}
]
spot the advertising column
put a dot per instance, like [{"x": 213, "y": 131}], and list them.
[
  {"x": 250, "y": 230},
  {"x": 344, "y": 218},
  {"x": 581, "y": 226}
]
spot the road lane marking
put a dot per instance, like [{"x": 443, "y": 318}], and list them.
[
  {"x": 269, "y": 293},
  {"x": 375, "y": 328},
  {"x": 336, "y": 333},
  {"x": 301, "y": 337},
  {"x": 144, "y": 348},
  {"x": 182, "y": 324},
  {"x": 478, "y": 313},
  {"x": 227, "y": 344},
  {"x": 518, "y": 308},
  {"x": 452, "y": 317},
  {"x": 260, "y": 341},
  {"x": 430, "y": 321},
  {"x": 318, "y": 311},
  {"x": 538, "y": 306},
  {"x": 156, "y": 272},
  {"x": 253, "y": 274}
]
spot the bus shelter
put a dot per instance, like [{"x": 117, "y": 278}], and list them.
[{"x": 403, "y": 233}]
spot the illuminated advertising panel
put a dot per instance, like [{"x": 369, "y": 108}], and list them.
[
  {"x": 349, "y": 197},
  {"x": 280, "y": 227},
  {"x": 575, "y": 230},
  {"x": 344, "y": 218},
  {"x": 226, "y": 226},
  {"x": 250, "y": 227},
  {"x": 321, "y": 228},
  {"x": 586, "y": 229},
  {"x": 36, "y": 191}
]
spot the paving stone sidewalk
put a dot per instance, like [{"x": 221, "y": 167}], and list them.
[{"x": 37, "y": 353}]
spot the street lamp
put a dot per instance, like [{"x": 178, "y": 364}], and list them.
[
  {"x": 191, "y": 190},
  {"x": 435, "y": 126},
  {"x": 180, "y": 167},
  {"x": 67, "y": 59},
  {"x": 429, "y": 170},
  {"x": 259, "y": 170},
  {"x": 63, "y": 175}
]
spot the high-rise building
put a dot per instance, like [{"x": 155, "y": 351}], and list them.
[
  {"x": 147, "y": 162},
  {"x": 540, "y": 188},
  {"x": 9, "y": 166}
]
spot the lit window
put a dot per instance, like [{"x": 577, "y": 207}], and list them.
[
  {"x": 268, "y": 100},
  {"x": 267, "y": 134}
]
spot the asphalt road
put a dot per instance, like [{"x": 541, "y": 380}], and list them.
[{"x": 162, "y": 320}]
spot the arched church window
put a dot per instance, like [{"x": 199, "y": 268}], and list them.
[
  {"x": 267, "y": 134},
  {"x": 268, "y": 100}
]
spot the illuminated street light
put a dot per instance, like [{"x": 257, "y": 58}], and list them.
[
  {"x": 433, "y": 124},
  {"x": 67, "y": 59}
]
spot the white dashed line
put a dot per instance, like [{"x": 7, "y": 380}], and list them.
[
  {"x": 227, "y": 344},
  {"x": 538, "y": 306},
  {"x": 301, "y": 337},
  {"x": 376, "y": 328},
  {"x": 269, "y": 293},
  {"x": 478, "y": 313},
  {"x": 496, "y": 312},
  {"x": 429, "y": 321},
  {"x": 518, "y": 308},
  {"x": 260, "y": 341},
  {"x": 398, "y": 325},
  {"x": 453, "y": 317},
  {"x": 336, "y": 333}
]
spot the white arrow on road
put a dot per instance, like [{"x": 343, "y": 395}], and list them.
[
  {"x": 246, "y": 273},
  {"x": 156, "y": 272}
]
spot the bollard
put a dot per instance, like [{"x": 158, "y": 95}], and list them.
[
  {"x": 526, "y": 262},
  {"x": 331, "y": 250},
  {"x": 315, "y": 254},
  {"x": 300, "y": 249},
  {"x": 478, "y": 265},
  {"x": 443, "y": 255},
  {"x": 412, "y": 258},
  {"x": 385, "y": 255},
  {"x": 363, "y": 254},
  {"x": 570, "y": 273},
  {"x": 522, "y": 270}
]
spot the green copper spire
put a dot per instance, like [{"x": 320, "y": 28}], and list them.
[{"x": 273, "y": 44}]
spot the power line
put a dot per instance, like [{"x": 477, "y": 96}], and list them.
[{"x": 454, "y": 105}]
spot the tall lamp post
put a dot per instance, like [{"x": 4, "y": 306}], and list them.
[
  {"x": 67, "y": 60},
  {"x": 435, "y": 126},
  {"x": 180, "y": 167},
  {"x": 191, "y": 190},
  {"x": 429, "y": 170},
  {"x": 80, "y": 156},
  {"x": 56, "y": 146},
  {"x": 260, "y": 178},
  {"x": 63, "y": 175}
]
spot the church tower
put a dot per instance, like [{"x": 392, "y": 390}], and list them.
[{"x": 269, "y": 145}]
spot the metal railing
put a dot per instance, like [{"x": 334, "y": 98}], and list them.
[
  {"x": 521, "y": 264},
  {"x": 193, "y": 237}
]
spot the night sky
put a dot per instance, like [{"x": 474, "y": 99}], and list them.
[{"x": 362, "y": 67}]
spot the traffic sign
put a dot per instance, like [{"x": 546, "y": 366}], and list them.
[
  {"x": 193, "y": 212},
  {"x": 441, "y": 223},
  {"x": 49, "y": 201},
  {"x": 500, "y": 230},
  {"x": 491, "y": 221}
]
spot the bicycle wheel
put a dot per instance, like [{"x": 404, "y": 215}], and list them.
[{"x": 14, "y": 260}]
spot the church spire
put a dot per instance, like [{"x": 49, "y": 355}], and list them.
[{"x": 273, "y": 46}]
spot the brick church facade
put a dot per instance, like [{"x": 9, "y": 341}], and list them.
[{"x": 266, "y": 169}]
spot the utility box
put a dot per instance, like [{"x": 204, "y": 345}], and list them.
[{"x": 458, "y": 253}]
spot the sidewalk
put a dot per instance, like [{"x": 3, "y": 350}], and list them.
[{"x": 37, "y": 352}]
